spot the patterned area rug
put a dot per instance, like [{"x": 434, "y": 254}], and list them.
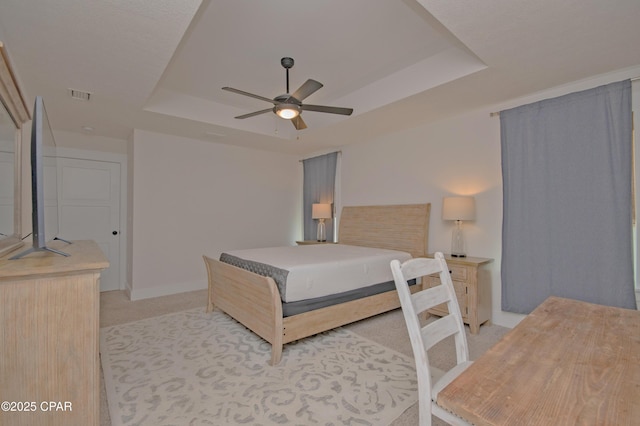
[{"x": 194, "y": 368}]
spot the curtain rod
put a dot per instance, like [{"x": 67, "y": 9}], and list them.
[
  {"x": 497, "y": 113},
  {"x": 300, "y": 161}
]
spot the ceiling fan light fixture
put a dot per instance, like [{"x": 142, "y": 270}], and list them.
[{"x": 287, "y": 111}]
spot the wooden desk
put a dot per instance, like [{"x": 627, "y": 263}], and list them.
[{"x": 566, "y": 363}]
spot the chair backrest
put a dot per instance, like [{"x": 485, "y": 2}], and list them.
[{"x": 423, "y": 338}]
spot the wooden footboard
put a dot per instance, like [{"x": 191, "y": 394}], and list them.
[
  {"x": 251, "y": 299},
  {"x": 254, "y": 301}
]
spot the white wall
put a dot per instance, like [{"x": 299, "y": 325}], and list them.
[
  {"x": 91, "y": 142},
  {"x": 192, "y": 198}
]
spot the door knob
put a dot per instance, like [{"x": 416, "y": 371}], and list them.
[{"x": 115, "y": 232}]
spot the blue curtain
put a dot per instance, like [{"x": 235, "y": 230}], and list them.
[
  {"x": 319, "y": 187},
  {"x": 567, "y": 200}
]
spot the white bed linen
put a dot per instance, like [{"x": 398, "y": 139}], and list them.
[{"x": 324, "y": 269}]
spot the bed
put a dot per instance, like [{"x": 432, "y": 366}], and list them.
[{"x": 255, "y": 301}]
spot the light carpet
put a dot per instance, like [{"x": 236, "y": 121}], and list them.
[{"x": 195, "y": 368}]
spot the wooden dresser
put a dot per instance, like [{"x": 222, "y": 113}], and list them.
[
  {"x": 49, "y": 336},
  {"x": 473, "y": 288}
]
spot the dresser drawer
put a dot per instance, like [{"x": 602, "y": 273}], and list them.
[{"x": 458, "y": 272}]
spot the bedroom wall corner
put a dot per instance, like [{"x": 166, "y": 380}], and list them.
[
  {"x": 455, "y": 156},
  {"x": 129, "y": 215}
]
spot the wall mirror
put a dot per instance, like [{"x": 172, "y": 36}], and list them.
[{"x": 13, "y": 114}]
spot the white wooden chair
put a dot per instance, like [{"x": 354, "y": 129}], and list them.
[{"x": 423, "y": 338}]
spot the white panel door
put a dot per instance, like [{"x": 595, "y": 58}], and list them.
[{"x": 89, "y": 209}]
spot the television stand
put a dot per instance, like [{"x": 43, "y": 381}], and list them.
[
  {"x": 34, "y": 249},
  {"x": 63, "y": 240}
]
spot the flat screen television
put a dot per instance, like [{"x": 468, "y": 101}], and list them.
[{"x": 44, "y": 194}]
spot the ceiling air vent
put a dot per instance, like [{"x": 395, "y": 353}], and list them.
[{"x": 79, "y": 95}]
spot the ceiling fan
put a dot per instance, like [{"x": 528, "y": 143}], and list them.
[{"x": 290, "y": 106}]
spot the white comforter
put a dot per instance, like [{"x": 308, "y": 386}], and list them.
[{"x": 324, "y": 269}]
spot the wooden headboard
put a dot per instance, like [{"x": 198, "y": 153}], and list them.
[{"x": 403, "y": 227}]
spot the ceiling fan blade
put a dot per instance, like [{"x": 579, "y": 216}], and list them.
[
  {"x": 299, "y": 123},
  {"x": 251, "y": 95},
  {"x": 329, "y": 109},
  {"x": 252, "y": 114},
  {"x": 309, "y": 87}
]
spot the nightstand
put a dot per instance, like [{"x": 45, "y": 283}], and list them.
[
  {"x": 309, "y": 242},
  {"x": 473, "y": 288}
]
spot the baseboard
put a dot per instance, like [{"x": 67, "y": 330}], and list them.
[
  {"x": 146, "y": 293},
  {"x": 128, "y": 290}
]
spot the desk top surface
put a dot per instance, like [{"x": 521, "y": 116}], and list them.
[{"x": 566, "y": 363}]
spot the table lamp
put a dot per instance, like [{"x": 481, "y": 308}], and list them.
[
  {"x": 458, "y": 209},
  {"x": 321, "y": 212}
]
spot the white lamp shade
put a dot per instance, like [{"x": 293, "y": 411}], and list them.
[
  {"x": 458, "y": 208},
  {"x": 321, "y": 211}
]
